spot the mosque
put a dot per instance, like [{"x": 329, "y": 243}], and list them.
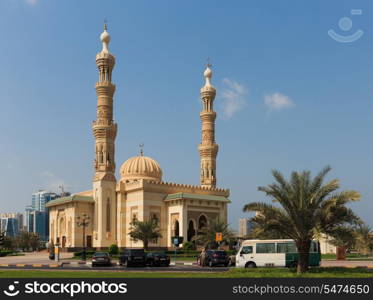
[{"x": 140, "y": 193}]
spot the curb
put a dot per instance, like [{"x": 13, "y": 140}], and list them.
[{"x": 31, "y": 265}]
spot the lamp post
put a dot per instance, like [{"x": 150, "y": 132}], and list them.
[{"x": 83, "y": 221}]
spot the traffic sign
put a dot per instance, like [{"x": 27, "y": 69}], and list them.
[{"x": 218, "y": 237}]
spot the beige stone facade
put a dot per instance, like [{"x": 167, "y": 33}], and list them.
[{"x": 140, "y": 193}]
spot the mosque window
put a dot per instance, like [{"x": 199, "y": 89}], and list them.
[
  {"x": 176, "y": 228},
  {"x": 202, "y": 222},
  {"x": 108, "y": 215}
]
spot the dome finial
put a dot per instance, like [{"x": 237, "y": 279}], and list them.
[
  {"x": 105, "y": 38},
  {"x": 105, "y": 24},
  {"x": 141, "y": 149},
  {"x": 208, "y": 73}
]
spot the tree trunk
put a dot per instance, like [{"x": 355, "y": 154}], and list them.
[
  {"x": 146, "y": 245},
  {"x": 304, "y": 253}
]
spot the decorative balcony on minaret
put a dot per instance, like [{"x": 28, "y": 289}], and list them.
[{"x": 208, "y": 149}]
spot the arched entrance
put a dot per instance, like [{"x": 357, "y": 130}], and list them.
[
  {"x": 191, "y": 230},
  {"x": 176, "y": 228}
]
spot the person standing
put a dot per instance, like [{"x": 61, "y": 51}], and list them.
[{"x": 203, "y": 257}]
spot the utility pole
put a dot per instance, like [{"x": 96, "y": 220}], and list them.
[{"x": 83, "y": 221}]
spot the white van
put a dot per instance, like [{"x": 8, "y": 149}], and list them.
[{"x": 273, "y": 253}]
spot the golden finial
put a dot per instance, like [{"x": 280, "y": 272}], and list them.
[
  {"x": 105, "y": 24},
  {"x": 208, "y": 62}
]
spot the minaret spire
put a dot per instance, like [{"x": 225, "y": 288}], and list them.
[
  {"x": 208, "y": 149},
  {"x": 105, "y": 131}
]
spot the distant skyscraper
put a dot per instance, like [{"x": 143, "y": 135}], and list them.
[
  {"x": 245, "y": 227},
  {"x": 39, "y": 221},
  {"x": 28, "y": 219},
  {"x": 40, "y": 198},
  {"x": 37, "y": 215},
  {"x": 5, "y": 224},
  {"x": 9, "y": 224}
]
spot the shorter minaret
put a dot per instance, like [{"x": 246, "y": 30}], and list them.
[{"x": 208, "y": 149}]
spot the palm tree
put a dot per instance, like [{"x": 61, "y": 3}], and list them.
[
  {"x": 206, "y": 235},
  {"x": 145, "y": 231},
  {"x": 34, "y": 241},
  {"x": 364, "y": 239},
  {"x": 305, "y": 205}
]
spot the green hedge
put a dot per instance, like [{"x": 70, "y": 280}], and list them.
[
  {"x": 80, "y": 253},
  {"x": 5, "y": 252}
]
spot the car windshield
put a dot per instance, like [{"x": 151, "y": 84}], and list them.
[
  {"x": 137, "y": 252},
  {"x": 219, "y": 253},
  {"x": 100, "y": 254},
  {"x": 158, "y": 253}
]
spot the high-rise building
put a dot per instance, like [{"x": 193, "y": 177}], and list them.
[
  {"x": 28, "y": 218},
  {"x": 37, "y": 215},
  {"x": 245, "y": 227},
  {"x": 18, "y": 222},
  {"x": 9, "y": 224},
  {"x": 40, "y": 198},
  {"x": 39, "y": 224}
]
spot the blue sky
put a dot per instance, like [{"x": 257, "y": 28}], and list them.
[{"x": 289, "y": 97}]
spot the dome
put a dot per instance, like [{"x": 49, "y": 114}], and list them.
[
  {"x": 105, "y": 37},
  {"x": 141, "y": 167},
  {"x": 208, "y": 72}
]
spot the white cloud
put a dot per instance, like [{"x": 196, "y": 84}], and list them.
[
  {"x": 233, "y": 95},
  {"x": 32, "y": 2},
  {"x": 277, "y": 101},
  {"x": 52, "y": 182}
]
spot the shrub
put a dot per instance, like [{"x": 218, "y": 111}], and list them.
[
  {"x": 5, "y": 253},
  {"x": 113, "y": 249},
  {"x": 189, "y": 246}
]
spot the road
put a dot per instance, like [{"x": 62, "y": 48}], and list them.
[
  {"x": 32, "y": 258},
  {"x": 41, "y": 258}
]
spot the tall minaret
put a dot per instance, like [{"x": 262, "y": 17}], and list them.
[
  {"x": 105, "y": 131},
  {"x": 208, "y": 149}
]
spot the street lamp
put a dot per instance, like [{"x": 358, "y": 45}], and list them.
[{"x": 83, "y": 221}]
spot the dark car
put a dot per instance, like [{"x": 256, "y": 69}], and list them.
[
  {"x": 157, "y": 259},
  {"x": 133, "y": 257},
  {"x": 101, "y": 259},
  {"x": 215, "y": 257}
]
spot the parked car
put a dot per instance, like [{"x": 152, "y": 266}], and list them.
[
  {"x": 133, "y": 257},
  {"x": 157, "y": 259},
  {"x": 215, "y": 257},
  {"x": 101, "y": 259}
]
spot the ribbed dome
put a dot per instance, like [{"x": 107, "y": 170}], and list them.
[{"x": 141, "y": 167}]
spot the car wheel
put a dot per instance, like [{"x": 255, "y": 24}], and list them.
[{"x": 250, "y": 265}]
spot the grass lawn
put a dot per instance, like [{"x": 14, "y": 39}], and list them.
[
  {"x": 233, "y": 273},
  {"x": 349, "y": 256}
]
